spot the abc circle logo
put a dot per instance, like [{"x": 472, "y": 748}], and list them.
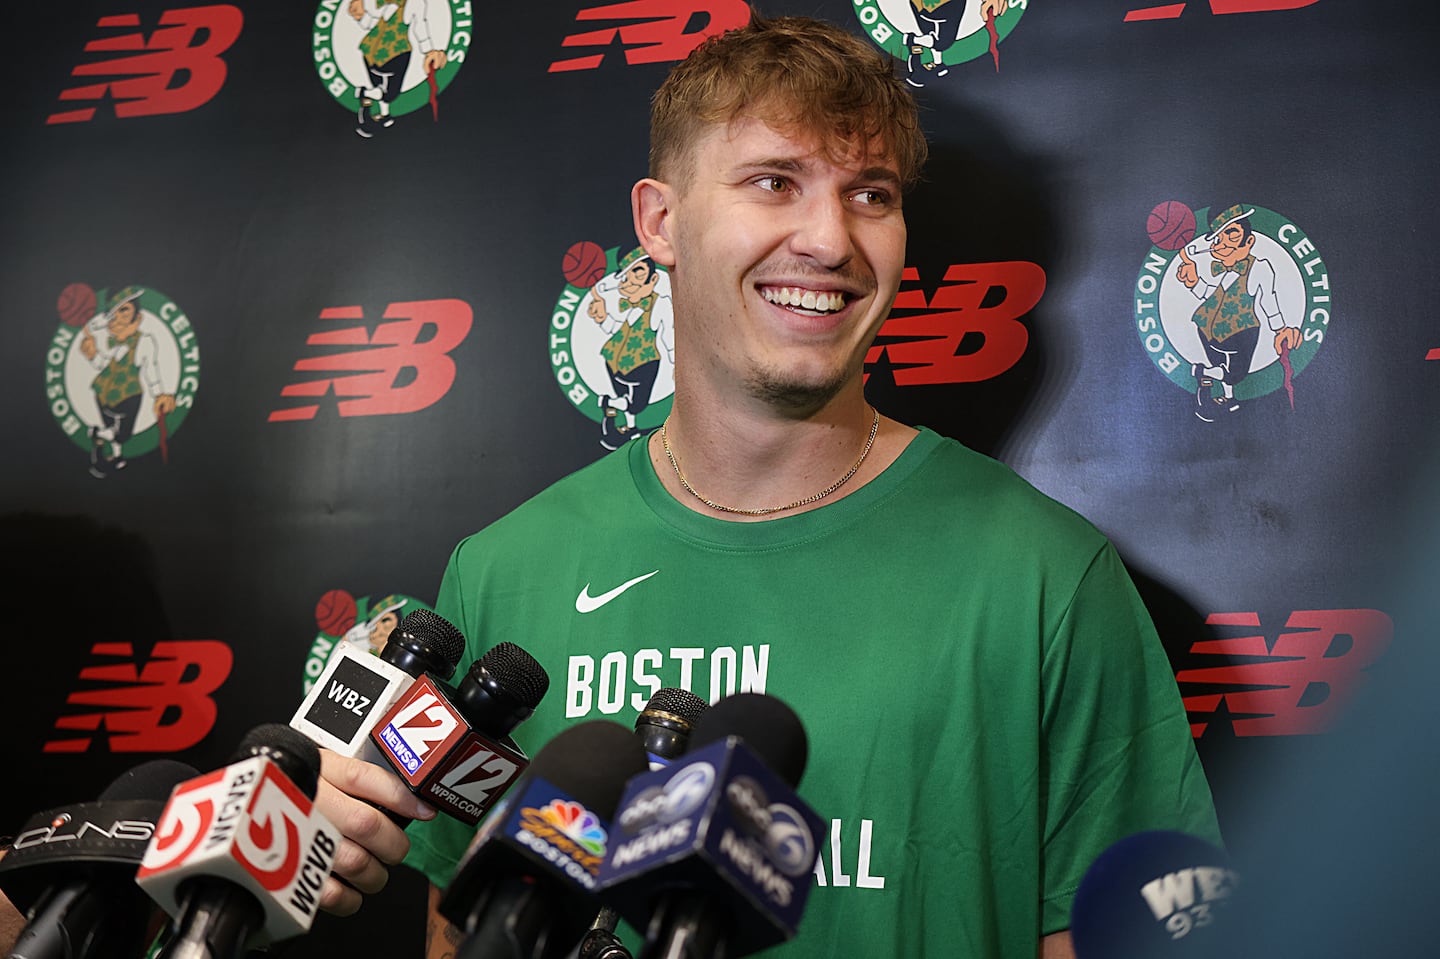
[{"x": 788, "y": 841}]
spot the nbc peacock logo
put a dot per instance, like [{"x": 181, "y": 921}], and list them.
[{"x": 577, "y": 822}]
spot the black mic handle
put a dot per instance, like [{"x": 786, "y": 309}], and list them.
[
  {"x": 67, "y": 925},
  {"x": 512, "y": 923},
  {"x": 216, "y": 920},
  {"x": 601, "y": 942},
  {"x": 685, "y": 926}
]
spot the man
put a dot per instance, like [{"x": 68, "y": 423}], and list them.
[
  {"x": 987, "y": 704},
  {"x": 1239, "y": 293},
  {"x": 639, "y": 339},
  {"x": 127, "y": 370}
]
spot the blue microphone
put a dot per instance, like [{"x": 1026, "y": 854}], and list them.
[{"x": 1153, "y": 895}]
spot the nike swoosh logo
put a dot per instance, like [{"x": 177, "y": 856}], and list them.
[{"x": 585, "y": 603}]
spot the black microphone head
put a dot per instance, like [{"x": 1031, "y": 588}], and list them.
[
  {"x": 287, "y": 748},
  {"x": 768, "y": 726},
  {"x": 502, "y": 689},
  {"x": 518, "y": 676},
  {"x": 674, "y": 704},
  {"x": 1153, "y": 895},
  {"x": 591, "y": 761},
  {"x": 155, "y": 779},
  {"x": 425, "y": 642}
]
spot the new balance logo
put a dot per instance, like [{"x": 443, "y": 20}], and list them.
[
  {"x": 166, "y": 706},
  {"x": 668, "y": 31},
  {"x": 1169, "y": 11},
  {"x": 969, "y": 331},
  {"x": 1294, "y": 686},
  {"x": 403, "y": 367},
  {"x": 176, "y": 70}
]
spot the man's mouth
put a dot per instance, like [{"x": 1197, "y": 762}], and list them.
[{"x": 801, "y": 300}]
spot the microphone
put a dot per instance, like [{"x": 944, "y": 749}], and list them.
[
  {"x": 526, "y": 888},
  {"x": 664, "y": 727},
  {"x": 357, "y": 688},
  {"x": 240, "y": 854},
  {"x": 665, "y": 724},
  {"x": 452, "y": 745},
  {"x": 1151, "y": 895},
  {"x": 713, "y": 854},
  {"x": 71, "y": 870}
]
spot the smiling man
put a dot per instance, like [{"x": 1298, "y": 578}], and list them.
[{"x": 988, "y": 706}]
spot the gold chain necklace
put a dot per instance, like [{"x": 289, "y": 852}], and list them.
[{"x": 670, "y": 455}]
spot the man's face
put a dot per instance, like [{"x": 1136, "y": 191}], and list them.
[
  {"x": 785, "y": 262},
  {"x": 1227, "y": 248},
  {"x": 638, "y": 281},
  {"x": 124, "y": 321}
]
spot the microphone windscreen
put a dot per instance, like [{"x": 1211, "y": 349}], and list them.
[
  {"x": 155, "y": 779},
  {"x": 1153, "y": 895},
  {"x": 435, "y": 633},
  {"x": 591, "y": 762},
  {"x": 290, "y": 749},
  {"x": 519, "y": 676},
  {"x": 768, "y": 726},
  {"x": 680, "y": 703}
]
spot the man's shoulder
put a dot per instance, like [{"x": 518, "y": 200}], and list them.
[
  {"x": 982, "y": 496},
  {"x": 584, "y": 497}
]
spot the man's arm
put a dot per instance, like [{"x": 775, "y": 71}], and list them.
[
  {"x": 12, "y": 923},
  {"x": 441, "y": 938},
  {"x": 1057, "y": 945}
]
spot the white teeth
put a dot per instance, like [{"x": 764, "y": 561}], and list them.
[{"x": 825, "y": 301}]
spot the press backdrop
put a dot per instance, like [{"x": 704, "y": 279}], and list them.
[{"x": 350, "y": 316}]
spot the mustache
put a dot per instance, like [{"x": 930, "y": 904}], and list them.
[{"x": 858, "y": 280}]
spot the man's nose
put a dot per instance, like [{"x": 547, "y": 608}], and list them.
[{"x": 822, "y": 232}]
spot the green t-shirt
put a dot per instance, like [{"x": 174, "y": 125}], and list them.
[{"x": 987, "y": 704}]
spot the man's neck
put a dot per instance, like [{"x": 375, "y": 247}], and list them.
[{"x": 750, "y": 456}]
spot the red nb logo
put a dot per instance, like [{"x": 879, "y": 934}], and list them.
[
  {"x": 1170, "y": 11},
  {"x": 147, "y": 72},
  {"x": 399, "y": 373},
  {"x": 669, "y": 31},
  {"x": 164, "y": 707},
  {"x": 1296, "y": 686},
  {"x": 969, "y": 331}
]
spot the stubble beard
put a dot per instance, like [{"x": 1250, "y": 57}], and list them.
[{"x": 795, "y": 396}]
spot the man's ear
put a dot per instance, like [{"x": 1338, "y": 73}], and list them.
[{"x": 651, "y": 206}]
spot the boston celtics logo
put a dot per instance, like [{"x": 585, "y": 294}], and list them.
[
  {"x": 121, "y": 373},
  {"x": 382, "y": 60},
  {"x": 612, "y": 340},
  {"x": 932, "y": 36},
  {"x": 364, "y": 623},
  {"x": 1235, "y": 313}
]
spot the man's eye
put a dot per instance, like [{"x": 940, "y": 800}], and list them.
[
  {"x": 872, "y": 197},
  {"x": 773, "y": 184}
]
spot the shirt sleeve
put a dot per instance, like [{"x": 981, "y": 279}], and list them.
[{"x": 1118, "y": 757}]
